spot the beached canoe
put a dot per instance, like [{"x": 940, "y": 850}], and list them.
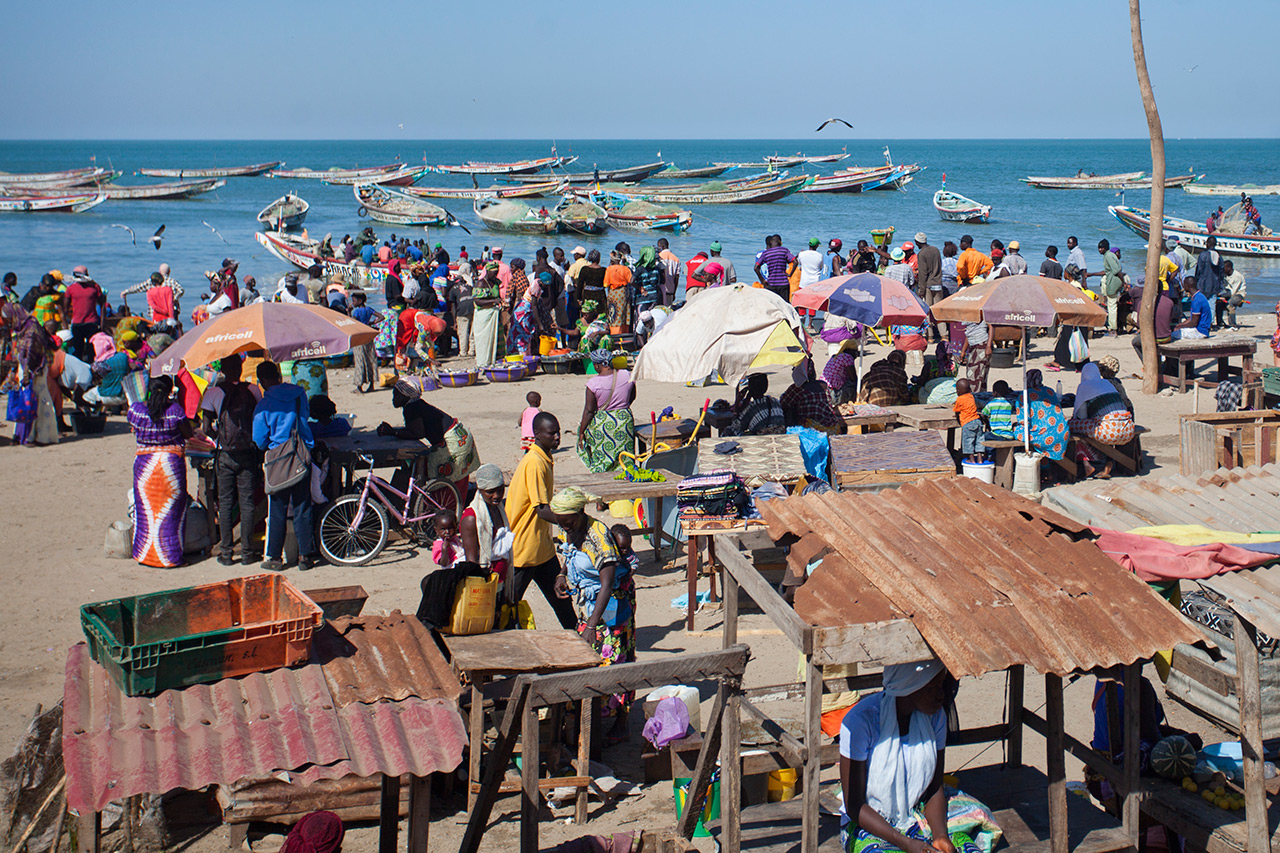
[
  {"x": 1230, "y": 237},
  {"x": 520, "y": 167},
  {"x": 369, "y": 173},
  {"x": 628, "y": 173},
  {"x": 636, "y": 215},
  {"x": 515, "y": 216},
  {"x": 116, "y": 192},
  {"x": 954, "y": 207},
  {"x": 216, "y": 172},
  {"x": 1232, "y": 189},
  {"x": 396, "y": 208},
  {"x": 544, "y": 188},
  {"x": 304, "y": 254},
  {"x": 285, "y": 213},
  {"x": 672, "y": 173},
  {"x": 581, "y": 216},
  {"x": 53, "y": 204}
]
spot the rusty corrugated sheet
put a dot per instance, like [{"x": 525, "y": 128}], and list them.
[
  {"x": 115, "y": 746},
  {"x": 375, "y": 658},
  {"x": 989, "y": 578}
]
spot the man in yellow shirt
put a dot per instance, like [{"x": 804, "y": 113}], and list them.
[
  {"x": 971, "y": 264},
  {"x": 533, "y": 554}
]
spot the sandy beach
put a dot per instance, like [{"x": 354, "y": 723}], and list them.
[{"x": 62, "y": 499}]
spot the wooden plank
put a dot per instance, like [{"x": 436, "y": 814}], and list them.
[
  {"x": 768, "y": 599},
  {"x": 475, "y": 724},
  {"x": 1132, "y": 717},
  {"x": 1199, "y": 671},
  {"x": 498, "y": 759},
  {"x": 1250, "y": 692},
  {"x": 792, "y": 749},
  {"x": 731, "y": 742},
  {"x": 1056, "y": 763},
  {"x": 1017, "y": 688},
  {"x": 586, "y": 723},
  {"x": 89, "y": 833},
  {"x": 419, "y": 813},
  {"x": 809, "y": 832},
  {"x": 1199, "y": 444},
  {"x": 608, "y": 489},
  {"x": 513, "y": 652},
  {"x": 512, "y": 783},
  {"x": 1078, "y": 749},
  {"x": 389, "y": 815},
  {"x": 531, "y": 796},
  {"x": 707, "y": 756},
  {"x": 588, "y": 684},
  {"x": 878, "y": 643}
]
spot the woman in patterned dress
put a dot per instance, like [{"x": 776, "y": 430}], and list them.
[
  {"x": 161, "y": 429},
  {"x": 608, "y": 428},
  {"x": 1100, "y": 414}
]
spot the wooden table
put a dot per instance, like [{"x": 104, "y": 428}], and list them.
[
  {"x": 610, "y": 489},
  {"x": 928, "y": 416},
  {"x": 773, "y": 458},
  {"x": 696, "y": 531},
  {"x": 864, "y": 422},
  {"x": 1222, "y": 348},
  {"x": 481, "y": 658},
  {"x": 674, "y": 433},
  {"x": 385, "y": 450},
  {"x": 901, "y": 456}
]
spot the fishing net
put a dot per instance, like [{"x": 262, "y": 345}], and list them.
[
  {"x": 509, "y": 212},
  {"x": 645, "y": 208},
  {"x": 578, "y": 210}
]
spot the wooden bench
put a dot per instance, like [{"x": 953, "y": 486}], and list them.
[
  {"x": 1127, "y": 456},
  {"x": 1004, "y": 448},
  {"x": 1222, "y": 348}
]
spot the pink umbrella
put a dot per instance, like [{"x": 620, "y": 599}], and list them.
[{"x": 866, "y": 298}]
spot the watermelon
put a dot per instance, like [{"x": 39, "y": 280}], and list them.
[{"x": 1173, "y": 757}]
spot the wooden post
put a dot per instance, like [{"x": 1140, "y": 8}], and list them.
[
  {"x": 711, "y": 566},
  {"x": 730, "y": 747},
  {"x": 476, "y": 732},
  {"x": 586, "y": 722},
  {"x": 530, "y": 800},
  {"x": 1249, "y": 689},
  {"x": 692, "y": 544},
  {"x": 389, "y": 815},
  {"x": 1017, "y": 687},
  {"x": 1132, "y": 734},
  {"x": 696, "y": 798},
  {"x": 89, "y": 832},
  {"x": 419, "y": 813},
  {"x": 1057, "y": 764},
  {"x": 813, "y": 753}
]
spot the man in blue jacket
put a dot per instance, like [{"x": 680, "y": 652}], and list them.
[{"x": 282, "y": 409}]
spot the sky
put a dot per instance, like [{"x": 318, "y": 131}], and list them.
[{"x": 698, "y": 69}]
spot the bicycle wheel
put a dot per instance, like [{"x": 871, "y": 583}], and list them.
[
  {"x": 344, "y": 543},
  {"x": 440, "y": 496}
]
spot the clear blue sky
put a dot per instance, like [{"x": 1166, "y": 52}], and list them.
[{"x": 568, "y": 69}]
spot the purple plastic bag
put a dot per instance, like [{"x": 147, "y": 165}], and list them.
[{"x": 670, "y": 721}]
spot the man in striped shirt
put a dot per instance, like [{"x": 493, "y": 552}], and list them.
[{"x": 776, "y": 258}]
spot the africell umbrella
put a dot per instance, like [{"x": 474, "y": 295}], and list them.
[
  {"x": 1021, "y": 300},
  {"x": 285, "y": 331},
  {"x": 866, "y": 298}
]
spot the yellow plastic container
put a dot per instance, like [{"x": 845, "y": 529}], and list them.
[
  {"x": 474, "y": 605},
  {"x": 782, "y": 785},
  {"x": 621, "y": 509},
  {"x": 546, "y": 344},
  {"x": 619, "y": 362}
]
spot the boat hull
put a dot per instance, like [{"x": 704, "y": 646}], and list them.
[
  {"x": 228, "y": 172},
  {"x": 528, "y": 191},
  {"x": 272, "y": 220},
  {"x": 366, "y": 175},
  {"x": 630, "y": 173},
  {"x": 1193, "y": 236},
  {"x": 541, "y": 225},
  {"x": 1231, "y": 189},
  {"x": 57, "y": 204},
  {"x": 686, "y": 174},
  {"x": 395, "y": 208},
  {"x": 521, "y": 167},
  {"x": 673, "y": 222},
  {"x": 761, "y": 193},
  {"x": 953, "y": 207},
  {"x": 294, "y": 253}
]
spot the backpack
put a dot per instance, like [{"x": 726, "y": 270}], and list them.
[{"x": 235, "y": 421}]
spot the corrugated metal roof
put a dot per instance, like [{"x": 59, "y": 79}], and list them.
[
  {"x": 115, "y": 746},
  {"x": 989, "y": 578},
  {"x": 375, "y": 658}
]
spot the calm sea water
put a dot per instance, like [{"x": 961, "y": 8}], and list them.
[{"x": 987, "y": 171}]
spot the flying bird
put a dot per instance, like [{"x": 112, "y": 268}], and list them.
[
  {"x": 130, "y": 230},
  {"x": 214, "y": 230},
  {"x": 1192, "y": 68},
  {"x": 830, "y": 120},
  {"x": 156, "y": 237}
]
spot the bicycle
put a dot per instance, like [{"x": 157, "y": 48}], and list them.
[{"x": 354, "y": 529}]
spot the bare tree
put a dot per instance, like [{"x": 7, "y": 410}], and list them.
[{"x": 1155, "y": 239}]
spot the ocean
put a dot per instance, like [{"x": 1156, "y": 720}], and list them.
[{"x": 987, "y": 171}]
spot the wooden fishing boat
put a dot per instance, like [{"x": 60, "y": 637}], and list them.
[
  {"x": 754, "y": 193},
  {"x": 638, "y": 215},
  {"x": 304, "y": 254},
  {"x": 369, "y": 173},
  {"x": 116, "y": 192},
  {"x": 1232, "y": 189},
  {"x": 902, "y": 174},
  {"x": 581, "y": 216},
  {"x": 849, "y": 181},
  {"x": 67, "y": 177},
  {"x": 1139, "y": 183},
  {"x": 672, "y": 173},
  {"x": 402, "y": 177},
  {"x": 629, "y": 173},
  {"x": 781, "y": 162},
  {"x": 285, "y": 213},
  {"x": 827, "y": 158},
  {"x": 223, "y": 172},
  {"x": 1192, "y": 235},
  {"x": 520, "y": 167},
  {"x": 67, "y": 186},
  {"x": 543, "y": 188},
  {"x": 514, "y": 216},
  {"x": 954, "y": 207},
  {"x": 396, "y": 208},
  {"x": 1081, "y": 181},
  {"x": 53, "y": 204}
]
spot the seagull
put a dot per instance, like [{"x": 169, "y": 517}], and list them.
[
  {"x": 830, "y": 120},
  {"x": 214, "y": 230},
  {"x": 1192, "y": 68},
  {"x": 402, "y": 125},
  {"x": 155, "y": 238},
  {"x": 130, "y": 230}
]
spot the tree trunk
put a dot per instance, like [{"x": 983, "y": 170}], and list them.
[{"x": 1155, "y": 240}]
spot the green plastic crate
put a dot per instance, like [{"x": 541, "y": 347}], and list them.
[
  {"x": 195, "y": 635},
  {"x": 1271, "y": 380}
]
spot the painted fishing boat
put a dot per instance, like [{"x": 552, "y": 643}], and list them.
[
  {"x": 368, "y": 174},
  {"x": 672, "y": 173},
  {"x": 285, "y": 213},
  {"x": 520, "y": 167},
  {"x": 848, "y": 181},
  {"x": 396, "y": 208},
  {"x": 1230, "y": 237},
  {"x": 1236, "y": 190},
  {"x": 754, "y": 193},
  {"x": 581, "y": 216},
  {"x": 638, "y": 215},
  {"x": 1081, "y": 181},
  {"x": 778, "y": 161},
  {"x": 509, "y": 215},
  {"x": 953, "y": 207},
  {"x": 115, "y": 192},
  {"x": 223, "y": 172},
  {"x": 54, "y": 204},
  {"x": 402, "y": 177},
  {"x": 67, "y": 177},
  {"x": 304, "y": 254},
  {"x": 67, "y": 186},
  {"x": 543, "y": 188},
  {"x": 828, "y": 158},
  {"x": 628, "y": 173},
  {"x": 1139, "y": 183},
  {"x": 902, "y": 174}
]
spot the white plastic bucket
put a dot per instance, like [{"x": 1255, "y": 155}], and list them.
[
  {"x": 687, "y": 695},
  {"x": 984, "y": 471}
]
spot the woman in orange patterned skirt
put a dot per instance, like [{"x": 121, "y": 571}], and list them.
[{"x": 161, "y": 429}]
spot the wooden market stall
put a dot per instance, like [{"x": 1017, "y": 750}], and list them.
[{"x": 986, "y": 581}]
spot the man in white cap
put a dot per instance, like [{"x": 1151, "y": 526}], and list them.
[{"x": 1013, "y": 260}]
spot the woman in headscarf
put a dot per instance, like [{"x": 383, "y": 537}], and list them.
[
  {"x": 1109, "y": 369},
  {"x": 607, "y": 428},
  {"x": 453, "y": 453},
  {"x": 161, "y": 429},
  {"x": 886, "y": 382},
  {"x": 487, "y": 302},
  {"x": 486, "y": 532},
  {"x": 754, "y": 411},
  {"x": 590, "y": 281},
  {"x": 393, "y": 285},
  {"x": 1045, "y": 419},
  {"x": 646, "y": 280},
  {"x": 1101, "y": 415},
  {"x": 807, "y": 404},
  {"x": 31, "y": 351},
  {"x": 593, "y": 331},
  {"x": 840, "y": 374},
  {"x": 617, "y": 282},
  {"x": 525, "y": 322},
  {"x": 599, "y": 580},
  {"x": 892, "y": 752},
  {"x": 519, "y": 284}
]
